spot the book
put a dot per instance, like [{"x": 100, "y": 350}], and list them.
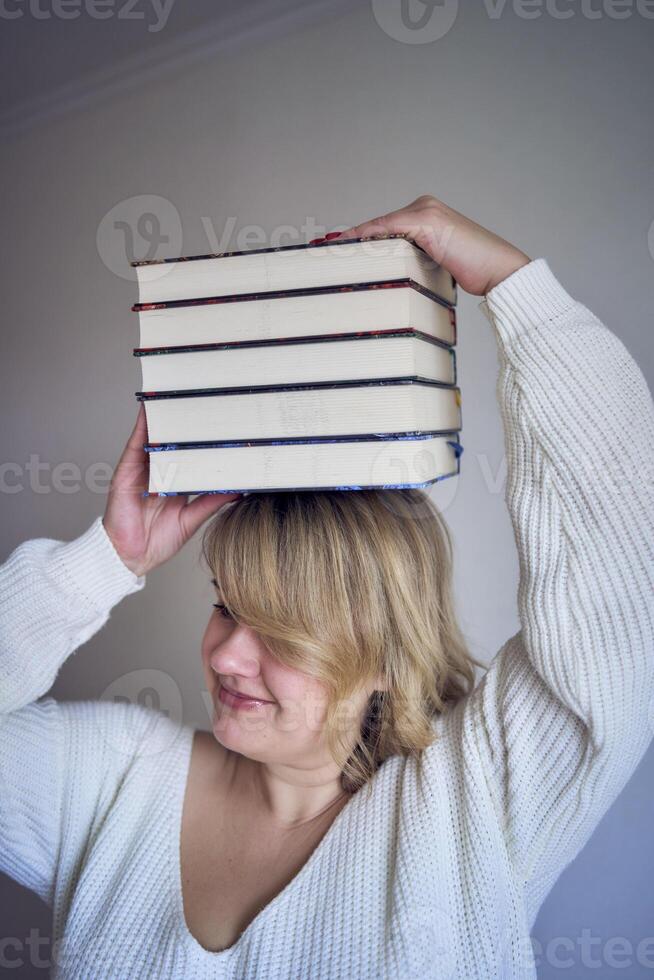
[
  {"x": 295, "y": 313},
  {"x": 279, "y": 362},
  {"x": 413, "y": 460},
  {"x": 322, "y": 366},
  {"x": 332, "y": 263},
  {"x": 338, "y": 408}
]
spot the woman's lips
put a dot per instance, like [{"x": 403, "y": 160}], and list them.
[{"x": 233, "y": 700}]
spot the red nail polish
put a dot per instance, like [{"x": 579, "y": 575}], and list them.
[
  {"x": 333, "y": 234},
  {"x": 314, "y": 241}
]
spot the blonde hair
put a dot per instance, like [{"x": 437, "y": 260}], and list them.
[{"x": 347, "y": 586}]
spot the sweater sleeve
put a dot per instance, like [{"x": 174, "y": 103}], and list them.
[
  {"x": 53, "y": 597},
  {"x": 565, "y": 712}
]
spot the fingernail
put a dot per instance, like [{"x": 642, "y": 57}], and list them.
[
  {"x": 314, "y": 241},
  {"x": 333, "y": 234}
]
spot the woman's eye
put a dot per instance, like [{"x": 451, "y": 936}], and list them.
[{"x": 224, "y": 612}]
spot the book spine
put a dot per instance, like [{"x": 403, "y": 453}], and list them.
[
  {"x": 257, "y": 389},
  {"x": 316, "y": 243},
  {"x": 155, "y": 447},
  {"x": 281, "y": 293},
  {"x": 288, "y": 341}
]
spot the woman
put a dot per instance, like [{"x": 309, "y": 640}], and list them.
[{"x": 366, "y": 813}]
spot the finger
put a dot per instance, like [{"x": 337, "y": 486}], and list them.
[
  {"x": 132, "y": 470},
  {"x": 375, "y": 226},
  {"x": 139, "y": 433},
  {"x": 432, "y": 238},
  {"x": 196, "y": 513},
  {"x": 395, "y": 223}
]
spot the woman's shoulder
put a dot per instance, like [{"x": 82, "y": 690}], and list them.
[
  {"x": 120, "y": 733},
  {"x": 127, "y": 735}
]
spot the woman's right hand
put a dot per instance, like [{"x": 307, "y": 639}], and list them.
[
  {"x": 477, "y": 258},
  {"x": 147, "y": 531}
]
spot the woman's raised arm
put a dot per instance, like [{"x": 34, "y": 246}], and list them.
[
  {"x": 54, "y": 596},
  {"x": 565, "y": 712}
]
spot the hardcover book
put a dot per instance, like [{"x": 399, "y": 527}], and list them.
[
  {"x": 368, "y": 462},
  {"x": 343, "y": 408},
  {"x": 289, "y": 314},
  {"x": 348, "y": 357},
  {"x": 333, "y": 263}
]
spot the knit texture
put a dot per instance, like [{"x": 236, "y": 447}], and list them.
[{"x": 443, "y": 883}]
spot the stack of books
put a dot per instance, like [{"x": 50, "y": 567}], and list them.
[{"x": 328, "y": 365}]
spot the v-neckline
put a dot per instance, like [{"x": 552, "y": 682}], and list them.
[{"x": 220, "y": 955}]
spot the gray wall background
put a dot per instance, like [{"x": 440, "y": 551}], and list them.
[{"x": 538, "y": 127}]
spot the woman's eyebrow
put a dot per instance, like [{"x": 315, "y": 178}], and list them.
[{"x": 213, "y": 582}]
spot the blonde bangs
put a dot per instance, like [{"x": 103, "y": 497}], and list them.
[{"x": 347, "y": 586}]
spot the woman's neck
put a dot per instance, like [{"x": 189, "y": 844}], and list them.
[{"x": 291, "y": 797}]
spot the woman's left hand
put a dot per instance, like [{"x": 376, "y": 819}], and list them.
[
  {"x": 477, "y": 258},
  {"x": 147, "y": 531}
]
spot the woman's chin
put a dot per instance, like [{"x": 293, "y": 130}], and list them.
[{"x": 237, "y": 730}]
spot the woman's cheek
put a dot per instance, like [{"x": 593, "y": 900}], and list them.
[{"x": 309, "y": 709}]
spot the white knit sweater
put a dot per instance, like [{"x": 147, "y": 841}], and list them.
[{"x": 402, "y": 886}]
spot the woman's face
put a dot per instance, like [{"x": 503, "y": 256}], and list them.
[{"x": 288, "y": 727}]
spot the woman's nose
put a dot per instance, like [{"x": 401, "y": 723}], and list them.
[{"x": 235, "y": 655}]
